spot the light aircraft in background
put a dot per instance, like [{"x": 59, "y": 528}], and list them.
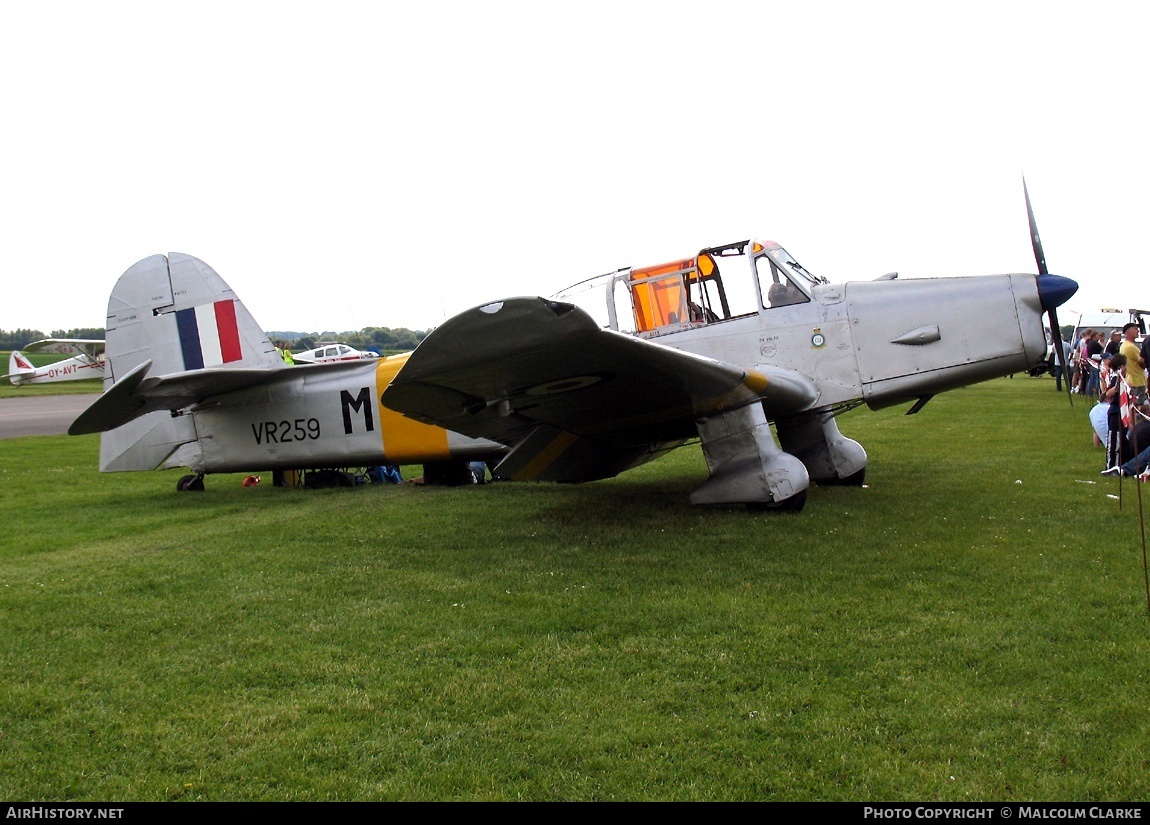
[
  {"x": 327, "y": 352},
  {"x": 87, "y": 361},
  {"x": 715, "y": 347}
]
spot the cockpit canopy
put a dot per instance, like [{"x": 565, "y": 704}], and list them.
[{"x": 716, "y": 285}]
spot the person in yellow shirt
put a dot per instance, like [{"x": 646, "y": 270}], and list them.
[
  {"x": 283, "y": 352},
  {"x": 1135, "y": 368}
]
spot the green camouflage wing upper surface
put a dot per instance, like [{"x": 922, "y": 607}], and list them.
[{"x": 576, "y": 402}]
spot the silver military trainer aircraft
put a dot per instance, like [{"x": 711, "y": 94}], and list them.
[{"x": 714, "y": 347}]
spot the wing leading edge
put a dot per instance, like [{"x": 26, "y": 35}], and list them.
[
  {"x": 87, "y": 347},
  {"x": 574, "y": 401}
]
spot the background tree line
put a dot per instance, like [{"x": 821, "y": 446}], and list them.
[
  {"x": 19, "y": 338},
  {"x": 385, "y": 339}
]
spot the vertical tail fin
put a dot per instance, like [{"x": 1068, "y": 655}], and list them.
[
  {"x": 177, "y": 312},
  {"x": 20, "y": 369}
]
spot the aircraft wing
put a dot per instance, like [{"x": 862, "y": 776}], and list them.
[
  {"x": 574, "y": 401},
  {"x": 92, "y": 348}
]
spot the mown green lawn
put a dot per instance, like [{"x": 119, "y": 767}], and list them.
[{"x": 970, "y": 625}]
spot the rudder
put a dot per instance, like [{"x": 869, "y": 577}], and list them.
[{"x": 176, "y": 311}]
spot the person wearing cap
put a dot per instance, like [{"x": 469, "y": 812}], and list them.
[
  {"x": 1114, "y": 343},
  {"x": 1135, "y": 367},
  {"x": 1144, "y": 360}
]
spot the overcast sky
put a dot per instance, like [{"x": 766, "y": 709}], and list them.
[{"x": 347, "y": 164}]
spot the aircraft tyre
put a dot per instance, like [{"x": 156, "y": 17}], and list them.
[
  {"x": 788, "y": 505},
  {"x": 192, "y": 483},
  {"x": 853, "y": 480}
]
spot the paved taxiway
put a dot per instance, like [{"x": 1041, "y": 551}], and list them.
[{"x": 41, "y": 414}]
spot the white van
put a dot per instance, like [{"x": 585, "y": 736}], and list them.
[{"x": 1110, "y": 319}]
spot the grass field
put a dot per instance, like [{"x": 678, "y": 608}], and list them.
[{"x": 970, "y": 625}]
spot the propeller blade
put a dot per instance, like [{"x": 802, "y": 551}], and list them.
[
  {"x": 1054, "y": 291},
  {"x": 1035, "y": 241},
  {"x": 1060, "y": 352}
]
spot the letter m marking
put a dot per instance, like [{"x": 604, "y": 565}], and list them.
[{"x": 351, "y": 405}]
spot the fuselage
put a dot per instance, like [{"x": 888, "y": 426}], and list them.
[
  {"x": 316, "y": 417},
  {"x": 880, "y": 342},
  {"x": 884, "y": 342}
]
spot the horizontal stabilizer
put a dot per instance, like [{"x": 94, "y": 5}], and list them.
[
  {"x": 116, "y": 406},
  {"x": 136, "y": 394}
]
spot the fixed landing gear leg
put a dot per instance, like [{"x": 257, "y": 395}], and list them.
[{"x": 192, "y": 483}]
